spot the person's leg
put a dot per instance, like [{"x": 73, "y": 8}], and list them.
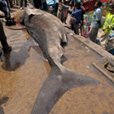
[
  {"x": 37, "y": 3},
  {"x": 56, "y": 8},
  {"x": 17, "y": 2},
  {"x": 4, "y": 7},
  {"x": 76, "y": 28},
  {"x": 111, "y": 51},
  {"x": 44, "y": 5},
  {"x": 93, "y": 34},
  {"x": 21, "y": 3},
  {"x": 25, "y": 3},
  {"x": 10, "y": 3},
  {"x": 65, "y": 14},
  {"x": 6, "y": 48}
]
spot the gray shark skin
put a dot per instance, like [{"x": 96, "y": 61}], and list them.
[{"x": 49, "y": 33}]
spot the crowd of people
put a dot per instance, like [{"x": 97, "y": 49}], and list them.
[
  {"x": 84, "y": 21},
  {"x": 81, "y": 21}
]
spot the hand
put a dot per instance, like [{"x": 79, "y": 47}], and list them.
[{"x": 10, "y": 22}]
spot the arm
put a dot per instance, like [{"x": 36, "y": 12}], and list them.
[{"x": 5, "y": 8}]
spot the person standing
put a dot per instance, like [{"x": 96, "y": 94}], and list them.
[
  {"x": 56, "y": 5},
  {"x": 4, "y": 7},
  {"x": 86, "y": 24},
  {"x": 109, "y": 22},
  {"x": 3, "y": 39},
  {"x": 44, "y": 5},
  {"x": 9, "y": 21},
  {"x": 23, "y": 3},
  {"x": 96, "y": 22},
  {"x": 76, "y": 17},
  {"x": 51, "y": 5},
  {"x": 37, "y": 3},
  {"x": 106, "y": 38},
  {"x": 62, "y": 11}
]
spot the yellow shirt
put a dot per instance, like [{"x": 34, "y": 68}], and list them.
[{"x": 109, "y": 23}]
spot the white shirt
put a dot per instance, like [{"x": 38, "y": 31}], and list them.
[
  {"x": 50, "y": 2},
  {"x": 97, "y": 16},
  {"x": 57, "y": 1}
]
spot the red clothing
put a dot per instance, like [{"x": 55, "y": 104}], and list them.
[
  {"x": 104, "y": 0},
  {"x": 89, "y": 4}
]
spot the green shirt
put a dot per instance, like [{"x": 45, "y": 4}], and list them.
[{"x": 109, "y": 23}]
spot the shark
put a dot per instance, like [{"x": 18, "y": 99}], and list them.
[{"x": 48, "y": 31}]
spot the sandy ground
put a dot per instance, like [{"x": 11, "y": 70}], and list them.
[{"x": 23, "y": 72}]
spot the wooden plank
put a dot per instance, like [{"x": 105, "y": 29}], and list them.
[
  {"x": 103, "y": 72},
  {"x": 96, "y": 48}
]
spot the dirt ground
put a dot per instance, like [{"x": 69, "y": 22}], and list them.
[{"x": 24, "y": 71}]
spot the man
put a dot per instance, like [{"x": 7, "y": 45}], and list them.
[
  {"x": 9, "y": 21},
  {"x": 109, "y": 20},
  {"x": 5, "y": 8},
  {"x": 96, "y": 22},
  {"x": 37, "y": 3},
  {"x": 107, "y": 27},
  {"x": 76, "y": 17},
  {"x": 23, "y": 3},
  {"x": 44, "y": 5},
  {"x": 51, "y": 5},
  {"x": 62, "y": 11},
  {"x": 5, "y": 47}
]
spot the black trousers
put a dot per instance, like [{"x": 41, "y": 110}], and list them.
[
  {"x": 25, "y": 3},
  {"x": 44, "y": 6},
  {"x": 37, "y": 3},
  {"x": 3, "y": 38},
  {"x": 5, "y": 8}
]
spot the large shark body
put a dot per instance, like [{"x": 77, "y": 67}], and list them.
[{"x": 49, "y": 33}]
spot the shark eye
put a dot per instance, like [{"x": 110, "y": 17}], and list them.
[
  {"x": 63, "y": 44},
  {"x": 30, "y": 17}
]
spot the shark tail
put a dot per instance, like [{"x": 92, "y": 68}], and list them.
[{"x": 59, "y": 81}]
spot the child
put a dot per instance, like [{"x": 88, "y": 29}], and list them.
[
  {"x": 62, "y": 11},
  {"x": 86, "y": 24}
]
